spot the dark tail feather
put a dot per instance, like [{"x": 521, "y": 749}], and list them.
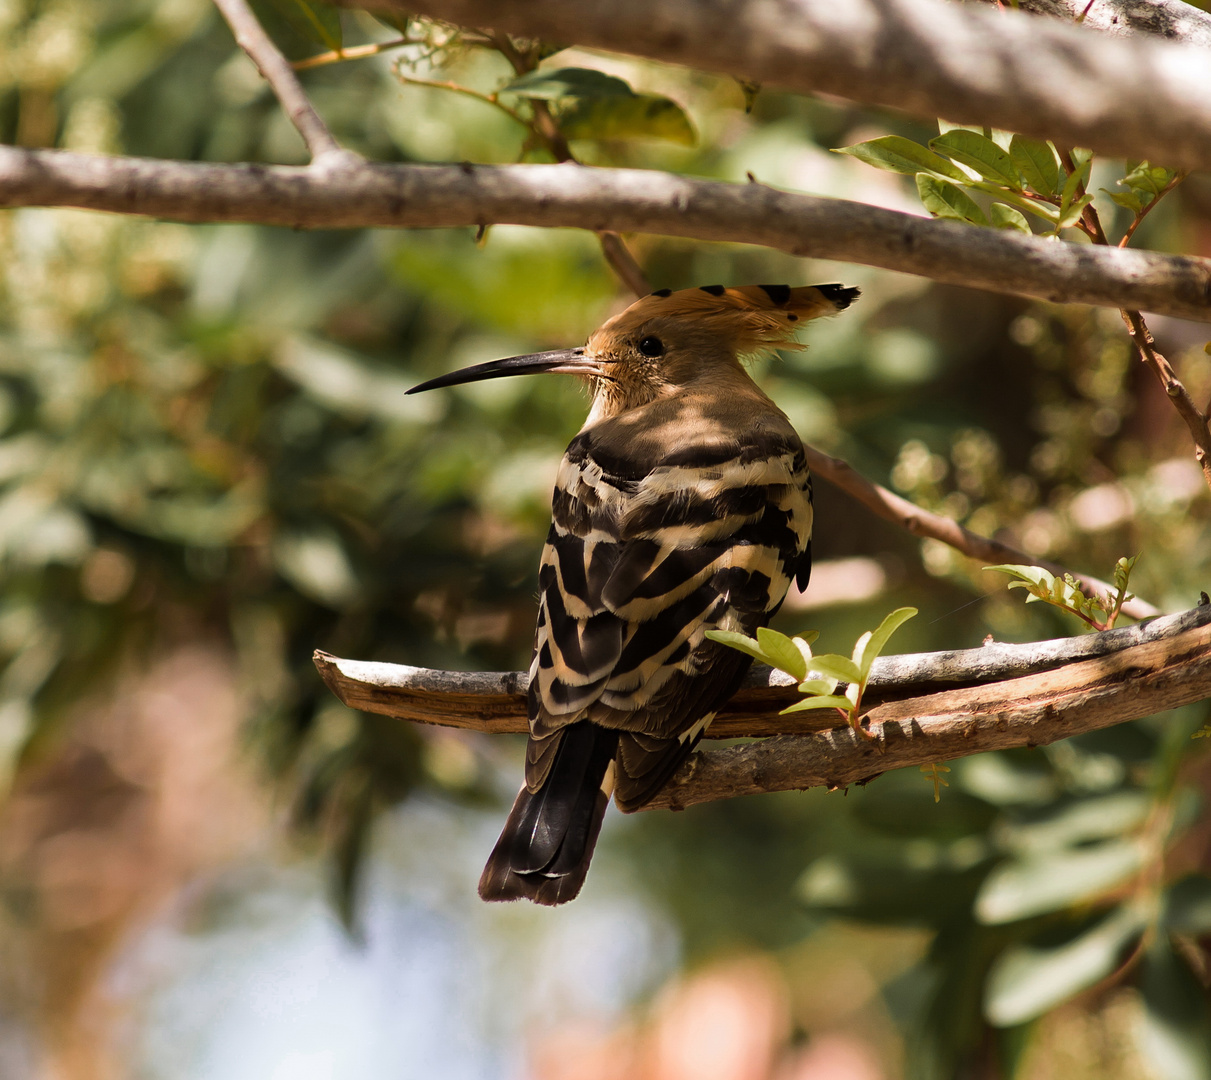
[{"x": 544, "y": 850}]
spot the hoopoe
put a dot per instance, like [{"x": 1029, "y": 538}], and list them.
[{"x": 683, "y": 505}]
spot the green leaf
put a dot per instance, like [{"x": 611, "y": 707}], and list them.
[
  {"x": 877, "y": 641},
  {"x": 1008, "y": 217},
  {"x": 897, "y": 154},
  {"x": 1054, "y": 880},
  {"x": 570, "y": 82},
  {"x": 1148, "y": 179},
  {"x": 1071, "y": 213},
  {"x": 804, "y": 644},
  {"x": 1122, "y": 571},
  {"x": 1077, "y": 179},
  {"x": 1026, "y": 980},
  {"x": 784, "y": 654},
  {"x": 640, "y": 116},
  {"x": 819, "y": 702},
  {"x": 835, "y": 666},
  {"x": 1038, "y": 164},
  {"x": 740, "y": 642},
  {"x": 943, "y": 200},
  {"x": 1129, "y": 200},
  {"x": 1188, "y": 906},
  {"x": 1067, "y": 825},
  {"x": 315, "y": 20},
  {"x": 1035, "y": 576},
  {"x": 979, "y": 153},
  {"x": 859, "y": 650},
  {"x": 1174, "y": 1037},
  {"x": 395, "y": 20},
  {"x": 818, "y": 687}
]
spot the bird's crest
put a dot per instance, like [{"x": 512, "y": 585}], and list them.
[{"x": 749, "y": 318}]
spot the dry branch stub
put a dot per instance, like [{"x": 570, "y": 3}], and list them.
[{"x": 921, "y": 707}]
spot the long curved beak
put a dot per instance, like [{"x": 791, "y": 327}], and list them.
[{"x": 562, "y": 361}]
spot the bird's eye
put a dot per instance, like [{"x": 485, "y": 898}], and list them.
[{"x": 651, "y": 346}]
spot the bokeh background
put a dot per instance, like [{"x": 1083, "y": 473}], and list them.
[{"x": 210, "y": 869}]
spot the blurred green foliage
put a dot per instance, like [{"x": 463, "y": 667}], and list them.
[{"x": 204, "y": 435}]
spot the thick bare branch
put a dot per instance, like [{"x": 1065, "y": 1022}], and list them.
[
  {"x": 1172, "y": 19},
  {"x": 620, "y": 200},
  {"x": 921, "y": 522},
  {"x": 1120, "y": 96},
  {"x": 495, "y": 701},
  {"x": 251, "y": 37}
]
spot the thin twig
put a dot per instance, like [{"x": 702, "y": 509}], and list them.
[
  {"x": 251, "y": 37},
  {"x": 623, "y": 263},
  {"x": 458, "y": 88},
  {"x": 1195, "y": 419},
  {"x": 921, "y": 522},
  {"x": 354, "y": 52}
]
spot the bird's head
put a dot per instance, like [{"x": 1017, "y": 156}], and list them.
[{"x": 669, "y": 340}]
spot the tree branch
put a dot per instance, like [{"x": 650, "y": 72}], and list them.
[
  {"x": 363, "y": 195},
  {"x": 1031, "y": 711},
  {"x": 1172, "y": 19},
  {"x": 1119, "y": 96},
  {"x": 920, "y": 708},
  {"x": 276, "y": 69},
  {"x": 921, "y": 522}
]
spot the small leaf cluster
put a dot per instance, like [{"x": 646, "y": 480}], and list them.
[
  {"x": 1145, "y": 183},
  {"x": 584, "y": 103},
  {"x": 820, "y": 676},
  {"x": 1023, "y": 176},
  {"x": 1065, "y": 592}
]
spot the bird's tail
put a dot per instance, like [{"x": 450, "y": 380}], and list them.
[{"x": 544, "y": 850}]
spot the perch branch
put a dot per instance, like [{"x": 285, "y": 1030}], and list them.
[
  {"x": 921, "y": 522},
  {"x": 1030, "y": 711},
  {"x": 276, "y": 69},
  {"x": 495, "y": 701},
  {"x": 363, "y": 195},
  {"x": 1135, "y": 96}
]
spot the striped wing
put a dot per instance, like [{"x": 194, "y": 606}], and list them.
[{"x": 638, "y": 565}]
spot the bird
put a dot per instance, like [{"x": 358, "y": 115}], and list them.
[{"x": 683, "y": 505}]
